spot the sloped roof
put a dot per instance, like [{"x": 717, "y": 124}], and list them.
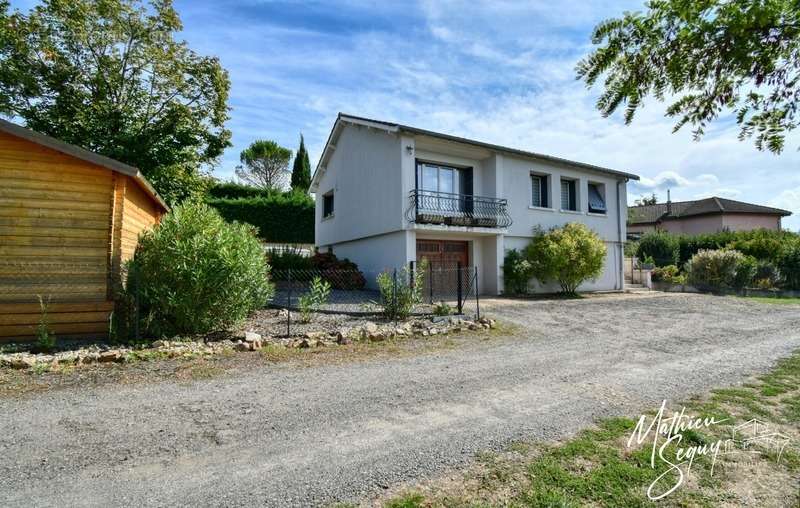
[
  {"x": 83, "y": 154},
  {"x": 648, "y": 214},
  {"x": 396, "y": 127}
]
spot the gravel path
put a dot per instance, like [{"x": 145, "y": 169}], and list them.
[{"x": 288, "y": 436}]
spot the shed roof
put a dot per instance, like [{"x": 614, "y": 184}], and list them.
[
  {"x": 83, "y": 154},
  {"x": 649, "y": 214}
]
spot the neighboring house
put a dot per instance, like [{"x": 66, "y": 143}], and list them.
[
  {"x": 69, "y": 218},
  {"x": 388, "y": 194},
  {"x": 702, "y": 216}
]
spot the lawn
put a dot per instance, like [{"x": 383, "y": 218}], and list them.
[
  {"x": 774, "y": 300},
  {"x": 598, "y": 468}
]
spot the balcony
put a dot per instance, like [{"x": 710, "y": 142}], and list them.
[{"x": 430, "y": 207}]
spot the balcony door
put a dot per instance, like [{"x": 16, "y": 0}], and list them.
[{"x": 444, "y": 189}]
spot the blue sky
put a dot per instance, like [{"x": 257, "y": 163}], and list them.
[{"x": 497, "y": 71}]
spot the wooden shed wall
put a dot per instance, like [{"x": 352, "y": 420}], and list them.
[{"x": 63, "y": 223}]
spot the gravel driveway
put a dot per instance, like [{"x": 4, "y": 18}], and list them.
[{"x": 288, "y": 436}]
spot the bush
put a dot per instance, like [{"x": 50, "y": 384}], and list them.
[
  {"x": 400, "y": 292},
  {"x": 745, "y": 272},
  {"x": 517, "y": 272},
  {"x": 716, "y": 269},
  {"x": 341, "y": 273},
  {"x": 280, "y": 218},
  {"x": 316, "y": 297},
  {"x": 195, "y": 273},
  {"x": 789, "y": 265},
  {"x": 568, "y": 255},
  {"x": 230, "y": 190},
  {"x": 670, "y": 274},
  {"x": 285, "y": 259},
  {"x": 662, "y": 247},
  {"x": 442, "y": 309}
]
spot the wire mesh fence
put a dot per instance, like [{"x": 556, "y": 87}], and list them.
[{"x": 394, "y": 294}]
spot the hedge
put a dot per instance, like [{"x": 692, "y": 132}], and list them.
[
  {"x": 280, "y": 218},
  {"x": 230, "y": 190}
]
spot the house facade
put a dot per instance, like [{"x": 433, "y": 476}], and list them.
[
  {"x": 388, "y": 194},
  {"x": 709, "y": 215}
]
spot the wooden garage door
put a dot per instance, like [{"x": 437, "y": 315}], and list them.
[{"x": 443, "y": 253}]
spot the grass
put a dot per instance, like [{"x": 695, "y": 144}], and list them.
[
  {"x": 596, "y": 467},
  {"x": 777, "y": 300}
]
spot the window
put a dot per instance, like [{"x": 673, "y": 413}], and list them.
[
  {"x": 597, "y": 198},
  {"x": 569, "y": 198},
  {"x": 437, "y": 178},
  {"x": 539, "y": 187},
  {"x": 327, "y": 205}
]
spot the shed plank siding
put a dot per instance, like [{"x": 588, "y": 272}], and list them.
[
  {"x": 54, "y": 240},
  {"x": 66, "y": 227}
]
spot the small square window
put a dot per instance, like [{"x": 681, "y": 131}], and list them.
[
  {"x": 327, "y": 205},
  {"x": 539, "y": 191},
  {"x": 597, "y": 198},
  {"x": 569, "y": 197}
]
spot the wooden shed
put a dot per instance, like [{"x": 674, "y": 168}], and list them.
[{"x": 69, "y": 218}]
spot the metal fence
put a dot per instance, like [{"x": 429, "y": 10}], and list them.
[{"x": 433, "y": 288}]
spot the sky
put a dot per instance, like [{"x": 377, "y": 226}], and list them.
[{"x": 496, "y": 71}]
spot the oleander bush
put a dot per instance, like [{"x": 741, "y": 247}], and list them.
[
  {"x": 670, "y": 274},
  {"x": 788, "y": 262},
  {"x": 719, "y": 269},
  {"x": 195, "y": 273}
]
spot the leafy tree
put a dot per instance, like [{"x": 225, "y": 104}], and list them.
[
  {"x": 265, "y": 164},
  {"x": 712, "y": 56},
  {"x": 108, "y": 75},
  {"x": 568, "y": 255},
  {"x": 301, "y": 172},
  {"x": 647, "y": 200}
]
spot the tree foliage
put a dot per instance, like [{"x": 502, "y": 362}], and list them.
[
  {"x": 301, "y": 171},
  {"x": 568, "y": 255},
  {"x": 265, "y": 164},
  {"x": 109, "y": 76},
  {"x": 709, "y": 57},
  {"x": 652, "y": 199}
]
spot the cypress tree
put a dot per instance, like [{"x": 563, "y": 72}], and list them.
[{"x": 301, "y": 171}]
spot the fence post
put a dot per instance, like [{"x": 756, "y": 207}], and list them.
[
  {"x": 289, "y": 306},
  {"x": 477, "y": 298},
  {"x": 458, "y": 288},
  {"x": 411, "y": 274},
  {"x": 394, "y": 295}
]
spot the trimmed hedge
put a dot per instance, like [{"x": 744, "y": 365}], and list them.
[
  {"x": 230, "y": 190},
  {"x": 280, "y": 218}
]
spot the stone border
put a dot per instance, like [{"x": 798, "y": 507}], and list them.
[{"x": 244, "y": 341}]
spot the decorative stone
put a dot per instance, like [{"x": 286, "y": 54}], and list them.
[
  {"x": 251, "y": 337},
  {"x": 345, "y": 340},
  {"x": 241, "y": 346},
  {"x": 307, "y": 343},
  {"x": 370, "y": 327},
  {"x": 22, "y": 362},
  {"x": 109, "y": 356}
]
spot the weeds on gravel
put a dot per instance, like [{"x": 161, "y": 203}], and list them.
[{"x": 596, "y": 467}]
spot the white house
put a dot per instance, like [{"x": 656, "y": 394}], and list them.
[{"x": 388, "y": 194}]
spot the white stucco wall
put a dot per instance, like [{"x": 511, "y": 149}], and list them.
[
  {"x": 364, "y": 173},
  {"x": 378, "y": 253}
]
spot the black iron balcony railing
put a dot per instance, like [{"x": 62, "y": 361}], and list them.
[{"x": 429, "y": 207}]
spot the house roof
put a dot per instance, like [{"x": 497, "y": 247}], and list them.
[
  {"x": 83, "y": 154},
  {"x": 648, "y": 214},
  {"x": 396, "y": 127}
]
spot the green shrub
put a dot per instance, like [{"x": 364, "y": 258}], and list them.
[
  {"x": 317, "y": 296},
  {"x": 400, "y": 292},
  {"x": 670, "y": 274},
  {"x": 196, "y": 273},
  {"x": 662, "y": 247},
  {"x": 280, "y": 218},
  {"x": 230, "y": 190},
  {"x": 442, "y": 309},
  {"x": 517, "y": 273},
  {"x": 767, "y": 274},
  {"x": 745, "y": 272},
  {"x": 715, "y": 269},
  {"x": 568, "y": 255},
  {"x": 789, "y": 265},
  {"x": 285, "y": 259}
]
